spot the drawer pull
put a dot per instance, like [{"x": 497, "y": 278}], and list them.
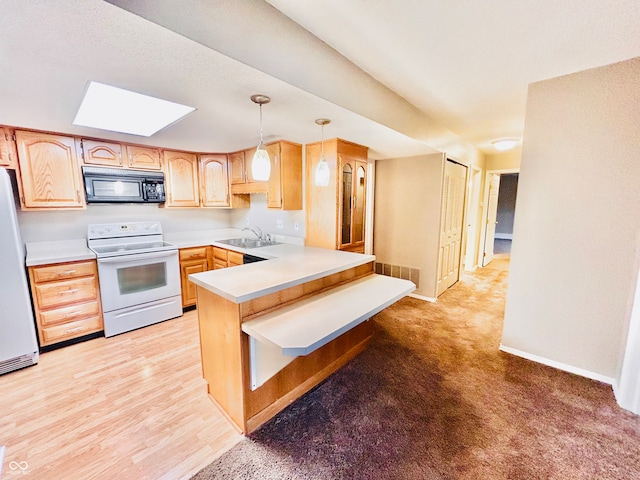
[
  {"x": 73, "y": 290},
  {"x": 68, "y": 272},
  {"x": 74, "y": 330},
  {"x": 72, "y": 314}
]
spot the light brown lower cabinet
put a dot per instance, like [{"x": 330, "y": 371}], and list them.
[
  {"x": 66, "y": 299},
  {"x": 223, "y": 258},
  {"x": 193, "y": 260},
  {"x": 202, "y": 259}
]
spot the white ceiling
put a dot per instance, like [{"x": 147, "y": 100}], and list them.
[
  {"x": 468, "y": 63},
  {"x": 462, "y": 65}
]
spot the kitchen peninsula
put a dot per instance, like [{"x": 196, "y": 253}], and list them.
[{"x": 270, "y": 331}]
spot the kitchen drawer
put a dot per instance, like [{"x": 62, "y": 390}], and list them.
[
  {"x": 70, "y": 313},
  {"x": 197, "y": 253},
  {"x": 235, "y": 259},
  {"x": 220, "y": 254},
  {"x": 68, "y": 291},
  {"x": 63, "y": 271},
  {"x": 70, "y": 330},
  {"x": 217, "y": 265}
]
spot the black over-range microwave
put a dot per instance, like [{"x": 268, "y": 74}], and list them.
[{"x": 115, "y": 185}]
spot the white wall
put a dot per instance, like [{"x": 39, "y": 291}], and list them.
[
  {"x": 407, "y": 215},
  {"x": 508, "y": 160},
  {"x": 67, "y": 225},
  {"x": 573, "y": 262},
  {"x": 259, "y": 215}
]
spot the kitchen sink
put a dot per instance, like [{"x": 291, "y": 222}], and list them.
[{"x": 248, "y": 242}]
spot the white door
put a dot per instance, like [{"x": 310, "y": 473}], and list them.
[
  {"x": 451, "y": 223},
  {"x": 472, "y": 232},
  {"x": 492, "y": 218}
]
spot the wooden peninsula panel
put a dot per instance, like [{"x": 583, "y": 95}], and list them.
[{"x": 225, "y": 351}]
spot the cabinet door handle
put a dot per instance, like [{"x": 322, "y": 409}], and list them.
[{"x": 120, "y": 158}]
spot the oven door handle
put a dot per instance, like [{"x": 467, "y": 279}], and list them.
[{"x": 138, "y": 256}]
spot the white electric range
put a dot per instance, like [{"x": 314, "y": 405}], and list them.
[{"x": 139, "y": 275}]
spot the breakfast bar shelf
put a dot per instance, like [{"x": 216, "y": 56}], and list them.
[
  {"x": 305, "y": 326},
  {"x": 266, "y": 343}
]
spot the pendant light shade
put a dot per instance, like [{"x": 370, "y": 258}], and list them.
[
  {"x": 261, "y": 164},
  {"x": 322, "y": 172}
]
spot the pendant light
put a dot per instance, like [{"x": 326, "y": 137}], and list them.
[
  {"x": 322, "y": 172},
  {"x": 261, "y": 164}
]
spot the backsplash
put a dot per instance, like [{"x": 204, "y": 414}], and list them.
[
  {"x": 42, "y": 226},
  {"x": 267, "y": 219}
]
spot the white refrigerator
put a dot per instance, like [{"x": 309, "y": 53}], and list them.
[{"x": 18, "y": 342}]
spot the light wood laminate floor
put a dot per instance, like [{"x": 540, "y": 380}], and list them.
[{"x": 130, "y": 406}]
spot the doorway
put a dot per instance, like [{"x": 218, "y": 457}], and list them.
[
  {"x": 499, "y": 213},
  {"x": 471, "y": 240}
]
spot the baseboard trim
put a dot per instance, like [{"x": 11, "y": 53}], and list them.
[
  {"x": 422, "y": 297},
  {"x": 503, "y": 236},
  {"x": 558, "y": 365}
]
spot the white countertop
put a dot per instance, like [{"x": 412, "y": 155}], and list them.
[
  {"x": 289, "y": 265},
  {"x": 44, "y": 253},
  {"x": 59, "y": 251},
  {"x": 305, "y": 326},
  {"x": 201, "y": 238}
]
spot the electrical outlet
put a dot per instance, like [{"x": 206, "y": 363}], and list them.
[
  {"x": 279, "y": 224},
  {"x": 246, "y": 222},
  {"x": 296, "y": 226}
]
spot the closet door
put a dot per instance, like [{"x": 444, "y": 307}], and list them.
[{"x": 451, "y": 223}]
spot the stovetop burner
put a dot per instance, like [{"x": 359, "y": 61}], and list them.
[
  {"x": 130, "y": 248},
  {"x": 115, "y": 239}
]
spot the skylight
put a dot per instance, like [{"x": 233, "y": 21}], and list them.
[{"x": 118, "y": 110}]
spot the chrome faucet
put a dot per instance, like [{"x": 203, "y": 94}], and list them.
[{"x": 257, "y": 234}]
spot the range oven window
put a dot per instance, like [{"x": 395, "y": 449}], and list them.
[{"x": 142, "y": 278}]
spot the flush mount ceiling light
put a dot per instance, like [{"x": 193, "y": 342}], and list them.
[
  {"x": 504, "y": 144},
  {"x": 322, "y": 169},
  {"x": 118, "y": 110},
  {"x": 261, "y": 164}
]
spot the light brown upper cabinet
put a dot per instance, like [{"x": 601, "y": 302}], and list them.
[
  {"x": 50, "y": 173},
  {"x": 98, "y": 152},
  {"x": 284, "y": 187},
  {"x": 111, "y": 154},
  {"x": 143, "y": 158},
  {"x": 236, "y": 168},
  {"x": 285, "y": 183},
  {"x": 242, "y": 181},
  {"x": 214, "y": 180},
  {"x": 335, "y": 215},
  {"x": 8, "y": 156},
  {"x": 181, "y": 179}
]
